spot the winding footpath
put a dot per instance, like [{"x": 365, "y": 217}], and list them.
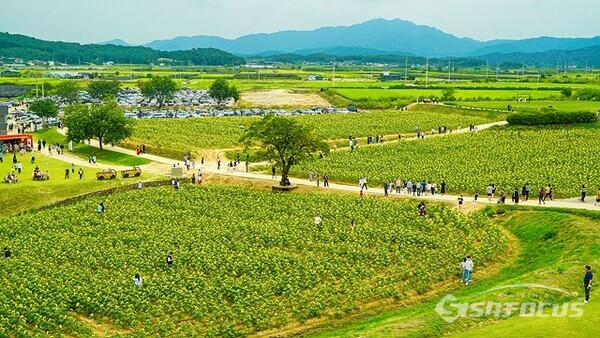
[{"x": 162, "y": 165}]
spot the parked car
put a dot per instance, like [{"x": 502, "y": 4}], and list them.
[
  {"x": 134, "y": 172},
  {"x": 106, "y": 174}
]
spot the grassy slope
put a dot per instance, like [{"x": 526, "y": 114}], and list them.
[
  {"x": 82, "y": 150},
  {"x": 27, "y": 193},
  {"x": 554, "y": 248}
]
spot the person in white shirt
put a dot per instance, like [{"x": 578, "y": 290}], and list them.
[
  {"x": 139, "y": 185},
  {"x": 462, "y": 270},
  {"x": 318, "y": 220},
  {"x": 137, "y": 280},
  {"x": 468, "y": 270}
]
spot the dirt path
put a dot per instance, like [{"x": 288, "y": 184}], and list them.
[{"x": 162, "y": 165}]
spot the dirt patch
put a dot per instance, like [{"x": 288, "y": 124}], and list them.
[
  {"x": 102, "y": 327},
  {"x": 282, "y": 98}
]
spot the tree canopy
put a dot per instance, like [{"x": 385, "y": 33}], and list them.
[
  {"x": 160, "y": 88},
  {"x": 104, "y": 122},
  {"x": 44, "y": 108},
  {"x": 102, "y": 89},
  {"x": 283, "y": 141},
  {"x": 221, "y": 91},
  {"x": 68, "y": 90}
]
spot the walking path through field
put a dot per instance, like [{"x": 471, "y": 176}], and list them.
[{"x": 163, "y": 165}]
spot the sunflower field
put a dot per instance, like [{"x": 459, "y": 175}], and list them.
[
  {"x": 565, "y": 157},
  {"x": 244, "y": 260}
]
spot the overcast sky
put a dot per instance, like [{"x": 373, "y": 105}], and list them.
[{"x": 141, "y": 21}]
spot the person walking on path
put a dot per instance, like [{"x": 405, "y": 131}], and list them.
[
  {"x": 318, "y": 179},
  {"x": 310, "y": 175},
  {"x": 80, "y": 172},
  {"x": 460, "y": 202},
  {"x": 598, "y": 197},
  {"x": 583, "y": 192},
  {"x": 137, "y": 280},
  {"x": 490, "y": 192},
  {"x": 587, "y": 283},
  {"x": 385, "y": 188},
  {"x": 325, "y": 180},
  {"x": 443, "y": 187},
  {"x": 548, "y": 193},
  {"x": 525, "y": 192},
  {"x": 67, "y": 171},
  {"x": 469, "y": 265},
  {"x": 515, "y": 196},
  {"x": 273, "y": 171},
  {"x": 542, "y": 196}
]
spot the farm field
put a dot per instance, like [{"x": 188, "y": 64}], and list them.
[
  {"x": 237, "y": 269},
  {"x": 559, "y": 105},
  {"x": 550, "y": 254},
  {"x": 461, "y": 94},
  {"x": 174, "y": 137},
  {"x": 507, "y": 157}
]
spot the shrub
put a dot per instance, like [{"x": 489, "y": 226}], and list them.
[{"x": 553, "y": 117}]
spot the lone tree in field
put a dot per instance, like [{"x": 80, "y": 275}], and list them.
[
  {"x": 448, "y": 94},
  {"x": 68, "y": 90},
  {"x": 221, "y": 91},
  {"x": 567, "y": 92},
  {"x": 102, "y": 89},
  {"x": 44, "y": 108},
  {"x": 160, "y": 88},
  {"x": 104, "y": 122},
  {"x": 284, "y": 142}
]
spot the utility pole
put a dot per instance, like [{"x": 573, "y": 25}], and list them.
[
  {"x": 497, "y": 71},
  {"x": 406, "y": 69},
  {"x": 487, "y": 69},
  {"x": 449, "y": 69},
  {"x": 333, "y": 75},
  {"x": 427, "y": 74}
]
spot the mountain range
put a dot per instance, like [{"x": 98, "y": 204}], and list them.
[{"x": 378, "y": 36}]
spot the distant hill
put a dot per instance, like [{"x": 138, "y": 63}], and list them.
[
  {"x": 116, "y": 42},
  {"x": 535, "y": 45},
  {"x": 28, "y": 48},
  {"x": 588, "y": 56},
  {"x": 379, "y": 34},
  {"x": 373, "y": 37}
]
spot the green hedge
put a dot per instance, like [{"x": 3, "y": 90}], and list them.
[{"x": 555, "y": 117}]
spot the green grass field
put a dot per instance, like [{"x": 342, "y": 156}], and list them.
[
  {"x": 559, "y": 105},
  {"x": 82, "y": 150},
  {"x": 28, "y": 194},
  {"x": 461, "y": 94}
]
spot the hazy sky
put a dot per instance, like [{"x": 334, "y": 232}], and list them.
[{"x": 141, "y": 21}]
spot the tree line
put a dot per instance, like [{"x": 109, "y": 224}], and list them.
[{"x": 28, "y": 48}]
